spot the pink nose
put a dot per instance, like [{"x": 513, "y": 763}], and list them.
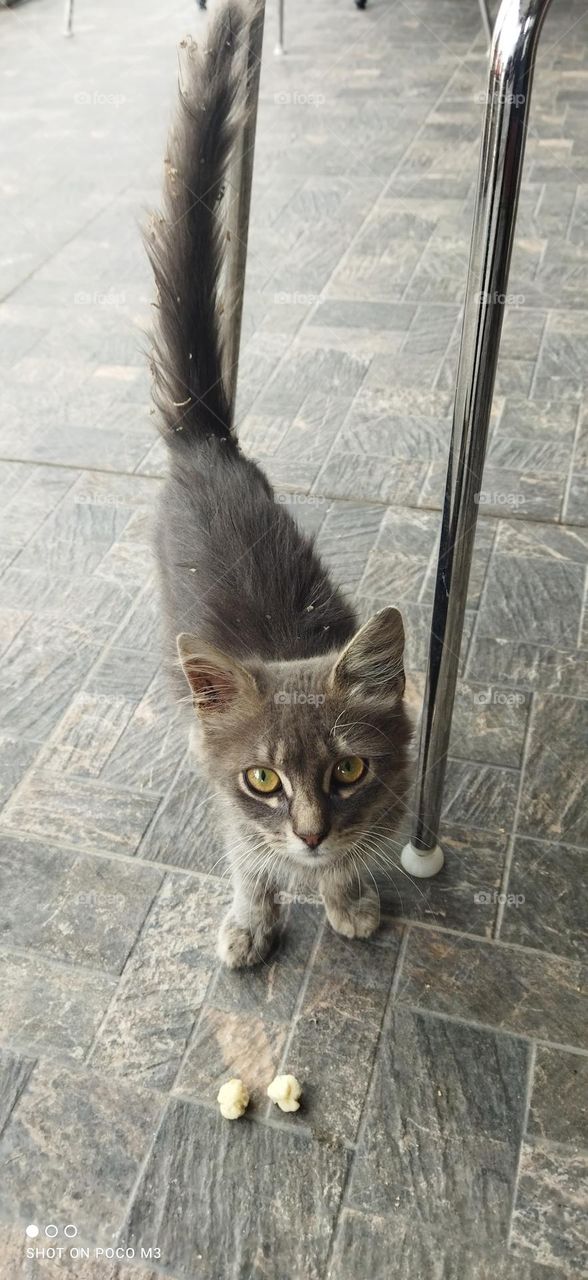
[{"x": 311, "y": 838}]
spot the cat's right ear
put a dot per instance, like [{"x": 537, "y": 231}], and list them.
[{"x": 218, "y": 683}]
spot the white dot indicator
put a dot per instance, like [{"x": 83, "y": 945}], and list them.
[
  {"x": 52, "y": 1230},
  {"x": 32, "y": 1231},
  {"x": 70, "y": 1231}
]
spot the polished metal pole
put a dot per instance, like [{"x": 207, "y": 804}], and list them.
[
  {"x": 240, "y": 182},
  {"x": 68, "y": 18},
  {"x": 279, "y": 49},
  {"x": 512, "y": 58},
  {"x": 486, "y": 22}
]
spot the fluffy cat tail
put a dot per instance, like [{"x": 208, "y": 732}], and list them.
[{"x": 185, "y": 242}]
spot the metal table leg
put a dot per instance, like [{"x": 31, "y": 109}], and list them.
[
  {"x": 486, "y": 22},
  {"x": 68, "y": 18},
  {"x": 279, "y": 49},
  {"x": 512, "y": 60},
  {"x": 240, "y": 181}
]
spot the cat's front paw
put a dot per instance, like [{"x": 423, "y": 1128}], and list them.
[
  {"x": 241, "y": 948},
  {"x": 355, "y": 917}
]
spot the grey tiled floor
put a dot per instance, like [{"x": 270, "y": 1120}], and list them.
[{"x": 444, "y": 1132}]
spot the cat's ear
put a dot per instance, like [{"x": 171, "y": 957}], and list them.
[
  {"x": 372, "y": 665},
  {"x": 218, "y": 683}
]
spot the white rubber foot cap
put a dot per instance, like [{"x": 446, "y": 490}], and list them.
[
  {"x": 422, "y": 863},
  {"x": 279, "y": 51}
]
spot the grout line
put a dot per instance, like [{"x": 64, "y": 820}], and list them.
[
  {"x": 81, "y": 468},
  {"x": 477, "y": 609},
  {"x": 497, "y": 943},
  {"x": 366, "y": 1097},
  {"x": 460, "y": 1021},
  {"x": 569, "y": 477},
  {"x": 300, "y": 998},
  {"x": 528, "y": 1094},
  {"x": 386, "y": 1015},
  {"x": 515, "y": 820}
]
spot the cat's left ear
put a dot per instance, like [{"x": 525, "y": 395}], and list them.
[{"x": 372, "y": 665}]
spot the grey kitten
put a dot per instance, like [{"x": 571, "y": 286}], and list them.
[{"x": 299, "y": 716}]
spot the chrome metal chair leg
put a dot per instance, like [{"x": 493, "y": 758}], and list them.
[
  {"x": 279, "y": 49},
  {"x": 68, "y": 18},
  {"x": 512, "y": 61},
  {"x": 240, "y": 182},
  {"x": 486, "y": 20}
]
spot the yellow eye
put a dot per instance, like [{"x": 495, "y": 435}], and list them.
[
  {"x": 349, "y": 770},
  {"x": 266, "y": 781}
]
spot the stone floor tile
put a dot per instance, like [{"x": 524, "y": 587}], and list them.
[
  {"x": 343, "y": 1005},
  {"x": 533, "y": 597},
  {"x": 549, "y": 1221},
  {"x": 443, "y": 1124},
  {"x": 163, "y": 985},
  {"x": 270, "y": 990},
  {"x": 559, "y": 1108},
  {"x": 546, "y": 893},
  {"x": 81, "y": 910},
  {"x": 529, "y": 666},
  {"x": 51, "y": 1007},
  {"x": 529, "y": 994},
  {"x": 345, "y": 476},
  {"x": 348, "y": 533},
  {"x": 74, "y": 1146},
  {"x": 536, "y": 495},
  {"x": 39, "y": 673},
  {"x": 480, "y": 795},
  {"x": 463, "y": 896},
  {"x": 226, "y": 1045},
  {"x": 489, "y": 724},
  {"x": 152, "y": 747},
  {"x": 86, "y": 736},
  {"x": 97, "y": 816},
  {"x": 552, "y": 804},
  {"x": 208, "y": 1217},
  {"x": 368, "y": 1244},
  {"x": 185, "y": 831},
  {"x": 14, "y": 1074}
]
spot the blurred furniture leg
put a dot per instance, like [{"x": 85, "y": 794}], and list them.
[
  {"x": 486, "y": 23},
  {"x": 68, "y": 18},
  {"x": 512, "y": 59},
  {"x": 279, "y": 49},
  {"x": 240, "y": 181}
]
